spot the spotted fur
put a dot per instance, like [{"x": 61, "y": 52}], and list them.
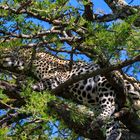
[{"x": 52, "y": 71}]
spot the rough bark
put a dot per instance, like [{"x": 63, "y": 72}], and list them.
[{"x": 88, "y": 128}]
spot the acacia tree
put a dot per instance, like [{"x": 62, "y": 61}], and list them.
[{"x": 71, "y": 30}]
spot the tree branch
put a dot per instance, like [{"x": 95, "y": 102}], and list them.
[
  {"x": 89, "y": 128},
  {"x": 88, "y": 10},
  {"x": 121, "y": 10},
  {"x": 66, "y": 111},
  {"x": 11, "y": 90},
  {"x": 58, "y": 90}
]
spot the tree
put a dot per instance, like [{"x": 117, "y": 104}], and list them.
[{"x": 74, "y": 31}]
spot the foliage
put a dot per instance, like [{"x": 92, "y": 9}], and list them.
[{"x": 60, "y": 28}]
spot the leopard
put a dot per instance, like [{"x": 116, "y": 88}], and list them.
[{"x": 52, "y": 71}]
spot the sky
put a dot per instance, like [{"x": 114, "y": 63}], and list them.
[
  {"x": 98, "y": 6},
  {"x": 101, "y": 5}
]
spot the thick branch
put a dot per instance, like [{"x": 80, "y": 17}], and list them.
[
  {"x": 103, "y": 71},
  {"x": 31, "y": 36},
  {"x": 10, "y": 118},
  {"x": 32, "y": 14},
  {"x": 11, "y": 90},
  {"x": 88, "y": 128},
  {"x": 116, "y": 5},
  {"x": 65, "y": 113},
  {"x": 13, "y": 93},
  {"x": 120, "y": 10},
  {"x": 88, "y": 10},
  {"x": 133, "y": 120}
]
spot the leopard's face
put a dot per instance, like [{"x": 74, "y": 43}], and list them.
[
  {"x": 46, "y": 66},
  {"x": 51, "y": 72},
  {"x": 42, "y": 65}
]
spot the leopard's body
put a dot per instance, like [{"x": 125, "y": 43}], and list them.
[{"x": 52, "y": 71}]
